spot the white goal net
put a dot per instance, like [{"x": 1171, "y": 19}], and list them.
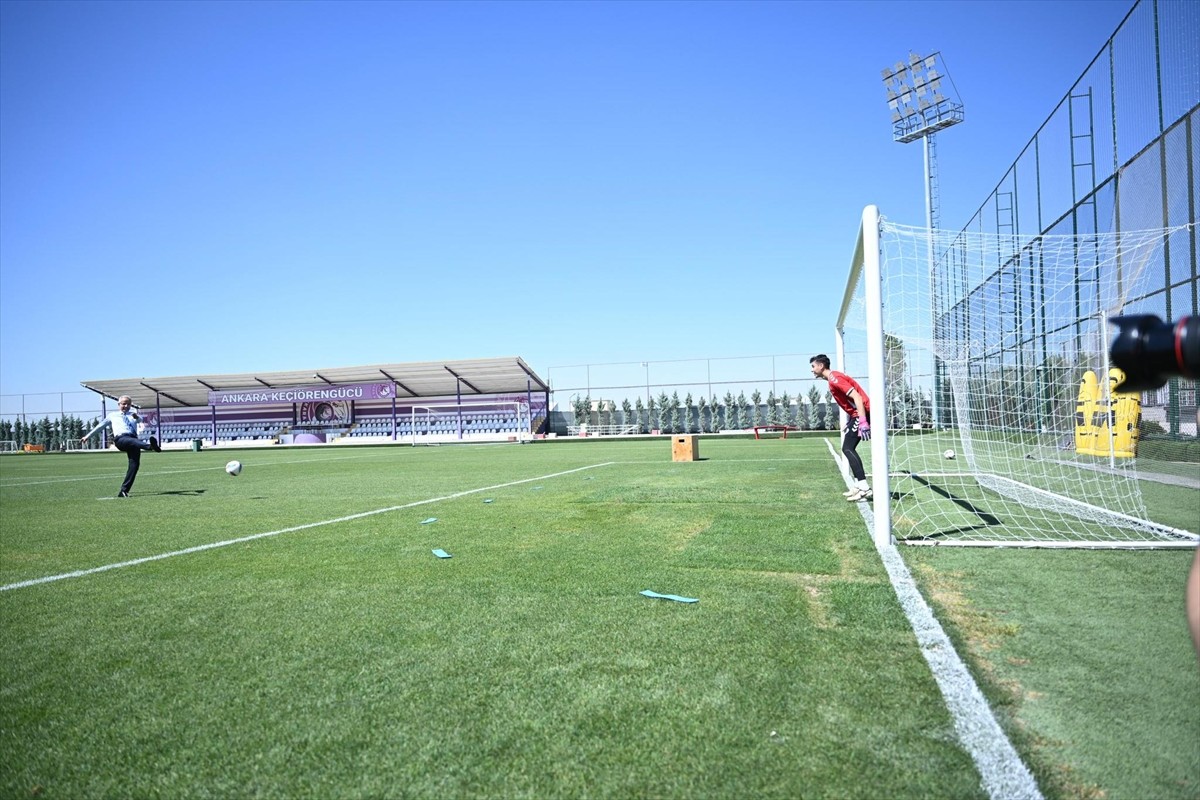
[
  {"x": 466, "y": 421},
  {"x": 992, "y": 397}
]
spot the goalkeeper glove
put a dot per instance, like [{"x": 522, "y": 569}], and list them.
[{"x": 864, "y": 430}]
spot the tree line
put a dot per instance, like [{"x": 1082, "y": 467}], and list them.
[
  {"x": 52, "y": 434},
  {"x": 710, "y": 415}
]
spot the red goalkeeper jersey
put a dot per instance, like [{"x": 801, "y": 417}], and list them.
[{"x": 840, "y": 386}]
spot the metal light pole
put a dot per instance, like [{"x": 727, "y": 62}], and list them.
[{"x": 919, "y": 110}]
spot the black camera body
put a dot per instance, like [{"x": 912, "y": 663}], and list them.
[{"x": 1151, "y": 351}]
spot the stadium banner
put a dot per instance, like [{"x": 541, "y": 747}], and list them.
[
  {"x": 304, "y": 394},
  {"x": 322, "y": 412}
]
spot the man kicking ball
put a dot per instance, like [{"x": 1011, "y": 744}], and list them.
[
  {"x": 854, "y": 401},
  {"x": 124, "y": 422}
]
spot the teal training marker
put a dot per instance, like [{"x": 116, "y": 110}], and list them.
[
  {"x": 427, "y": 521},
  {"x": 674, "y": 597},
  {"x": 440, "y": 553}
]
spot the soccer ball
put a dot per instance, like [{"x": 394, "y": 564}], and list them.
[
  {"x": 234, "y": 468},
  {"x": 948, "y": 454}
]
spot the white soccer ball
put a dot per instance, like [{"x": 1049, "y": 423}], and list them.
[
  {"x": 234, "y": 468},
  {"x": 948, "y": 454}
]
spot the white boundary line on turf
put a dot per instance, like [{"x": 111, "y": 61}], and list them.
[
  {"x": 1003, "y": 773},
  {"x": 150, "y": 474},
  {"x": 213, "y": 545}
]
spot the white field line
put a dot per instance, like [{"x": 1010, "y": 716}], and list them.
[
  {"x": 1003, "y": 774},
  {"x": 145, "y": 474},
  {"x": 711, "y": 462},
  {"x": 213, "y": 545}
]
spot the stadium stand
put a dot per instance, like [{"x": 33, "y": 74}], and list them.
[{"x": 479, "y": 400}]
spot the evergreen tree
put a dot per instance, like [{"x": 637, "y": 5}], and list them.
[
  {"x": 690, "y": 424},
  {"x": 702, "y": 424},
  {"x": 664, "y": 413},
  {"x": 831, "y": 413},
  {"x": 814, "y": 408},
  {"x": 626, "y": 413},
  {"x": 756, "y": 408},
  {"x": 651, "y": 414},
  {"x": 640, "y": 414},
  {"x": 743, "y": 411},
  {"x": 6, "y": 430},
  {"x": 785, "y": 411}
]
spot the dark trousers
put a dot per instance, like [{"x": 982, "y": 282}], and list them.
[
  {"x": 850, "y": 449},
  {"x": 132, "y": 447}
]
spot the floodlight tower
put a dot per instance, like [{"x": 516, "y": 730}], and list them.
[{"x": 919, "y": 110}]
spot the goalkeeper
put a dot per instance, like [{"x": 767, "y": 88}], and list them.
[{"x": 857, "y": 405}]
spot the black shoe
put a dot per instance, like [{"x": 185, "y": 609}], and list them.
[
  {"x": 154, "y": 444},
  {"x": 122, "y": 493}
]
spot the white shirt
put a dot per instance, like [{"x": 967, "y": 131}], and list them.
[{"x": 121, "y": 423}]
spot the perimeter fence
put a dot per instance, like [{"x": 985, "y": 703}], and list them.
[
  {"x": 698, "y": 395},
  {"x": 49, "y": 420},
  {"x": 1119, "y": 153}
]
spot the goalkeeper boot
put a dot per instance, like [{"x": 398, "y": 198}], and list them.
[{"x": 860, "y": 496}]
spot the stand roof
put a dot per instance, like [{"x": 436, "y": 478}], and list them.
[{"x": 482, "y": 376}]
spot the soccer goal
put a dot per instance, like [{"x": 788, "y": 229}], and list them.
[
  {"x": 492, "y": 420},
  {"x": 995, "y": 413}
]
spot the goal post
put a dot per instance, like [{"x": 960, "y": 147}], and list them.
[
  {"x": 862, "y": 304},
  {"x": 987, "y": 429},
  {"x": 485, "y": 419}
]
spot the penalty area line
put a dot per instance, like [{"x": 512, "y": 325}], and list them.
[
  {"x": 349, "y": 518},
  {"x": 1002, "y": 772}
]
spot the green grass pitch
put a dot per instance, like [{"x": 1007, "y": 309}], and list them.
[{"x": 323, "y": 650}]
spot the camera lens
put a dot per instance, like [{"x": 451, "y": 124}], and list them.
[{"x": 1151, "y": 351}]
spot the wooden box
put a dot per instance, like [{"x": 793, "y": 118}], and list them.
[{"x": 685, "y": 448}]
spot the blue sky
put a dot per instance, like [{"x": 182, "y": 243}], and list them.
[{"x": 238, "y": 186}]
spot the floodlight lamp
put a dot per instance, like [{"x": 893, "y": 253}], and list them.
[
  {"x": 914, "y": 92},
  {"x": 887, "y": 74}
]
